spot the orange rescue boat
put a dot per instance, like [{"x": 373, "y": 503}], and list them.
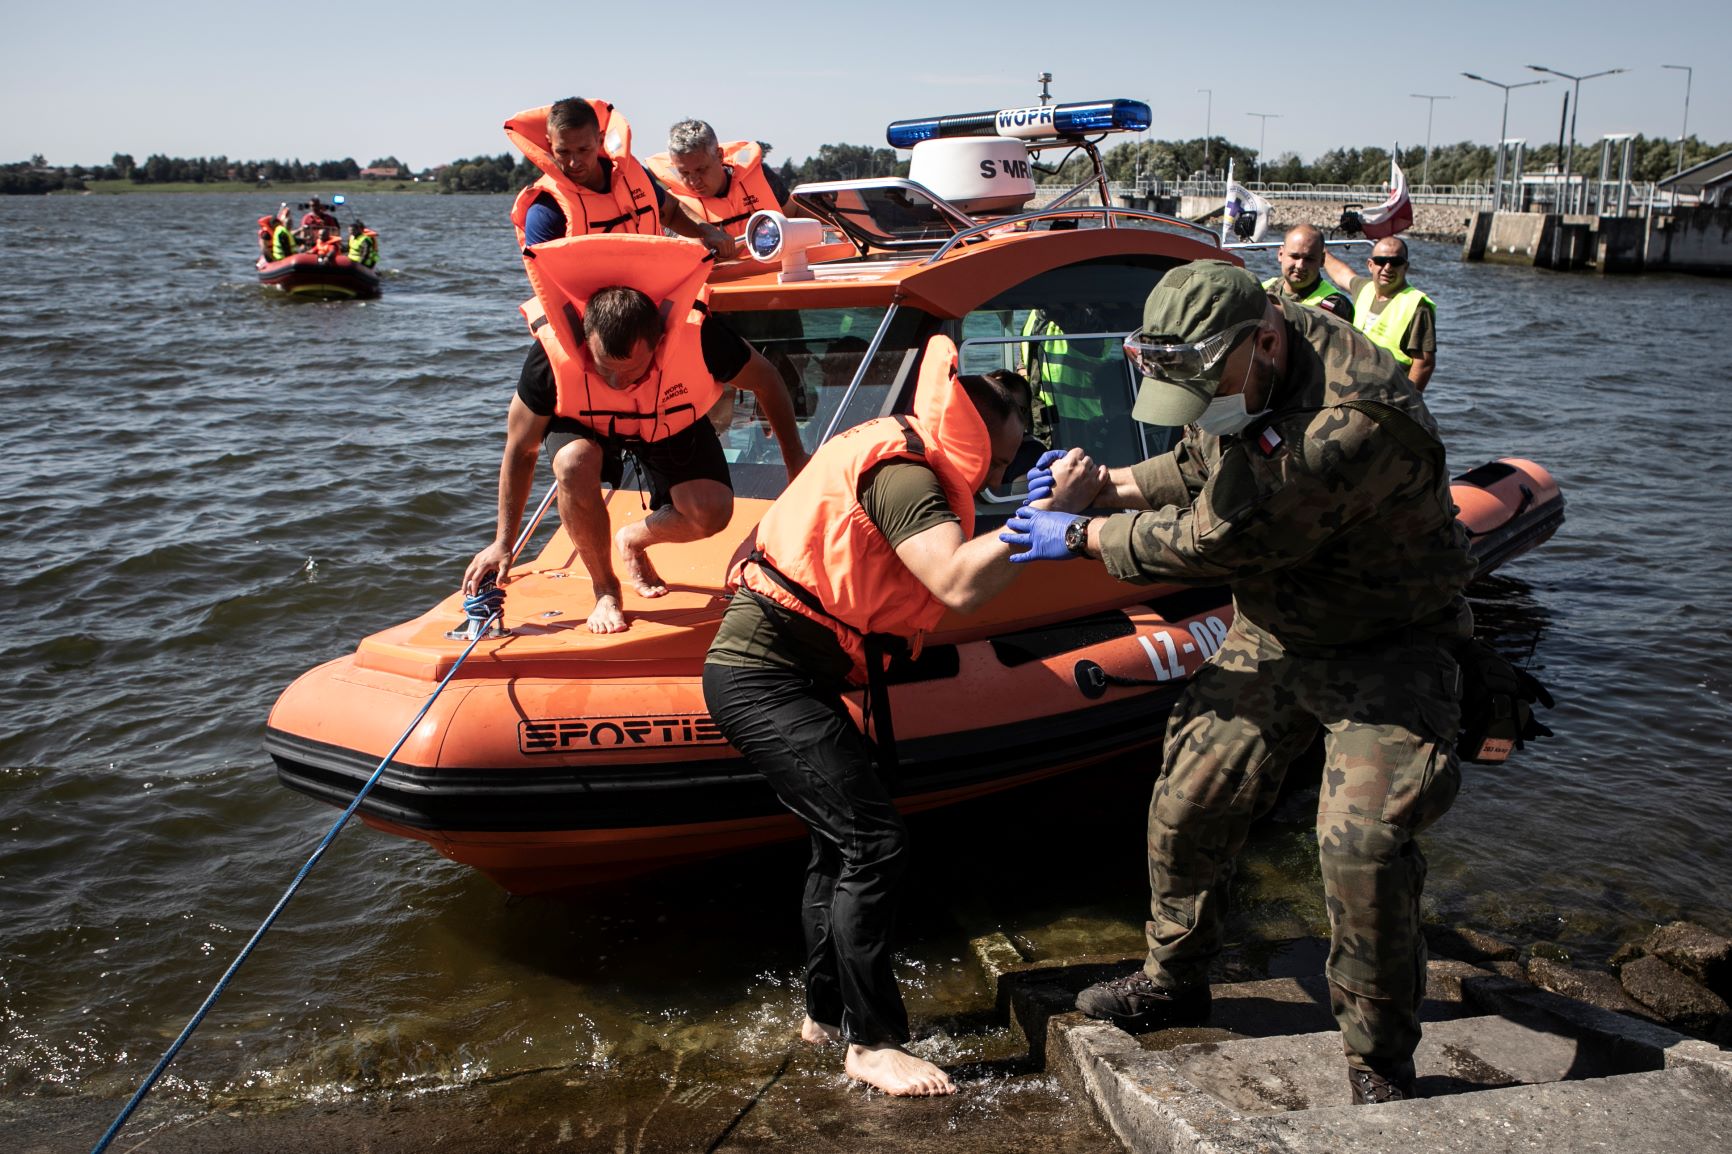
[{"x": 557, "y": 757}]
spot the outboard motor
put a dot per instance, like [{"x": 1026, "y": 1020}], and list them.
[
  {"x": 1245, "y": 224},
  {"x": 1350, "y": 223}
]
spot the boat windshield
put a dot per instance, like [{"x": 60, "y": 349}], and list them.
[
  {"x": 818, "y": 352},
  {"x": 891, "y": 213}
]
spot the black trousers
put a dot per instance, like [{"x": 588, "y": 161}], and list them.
[{"x": 797, "y": 733}]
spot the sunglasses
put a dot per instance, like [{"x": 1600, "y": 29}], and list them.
[
  {"x": 1184, "y": 360},
  {"x": 1380, "y": 261}
]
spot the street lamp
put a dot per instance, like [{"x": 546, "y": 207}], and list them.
[
  {"x": 1208, "y": 119},
  {"x": 1502, "y": 128},
  {"x": 1575, "y": 107},
  {"x": 1431, "y": 103},
  {"x": 1262, "y": 131},
  {"x": 1689, "y": 74}
]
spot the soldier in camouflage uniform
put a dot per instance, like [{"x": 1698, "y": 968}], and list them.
[{"x": 1310, "y": 479}]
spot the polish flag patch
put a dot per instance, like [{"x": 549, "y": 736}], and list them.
[{"x": 1269, "y": 441}]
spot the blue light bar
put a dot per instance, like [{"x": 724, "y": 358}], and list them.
[{"x": 1041, "y": 122}]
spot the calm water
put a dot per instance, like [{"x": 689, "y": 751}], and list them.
[{"x": 206, "y": 491}]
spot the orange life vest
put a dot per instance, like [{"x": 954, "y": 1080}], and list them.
[
  {"x": 628, "y": 205},
  {"x": 818, "y": 537},
  {"x": 748, "y": 189},
  {"x": 678, "y": 388}
]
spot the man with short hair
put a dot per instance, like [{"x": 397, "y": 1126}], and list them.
[
  {"x": 591, "y": 183},
  {"x": 1301, "y": 257},
  {"x": 1394, "y": 314},
  {"x": 874, "y": 539},
  {"x": 1311, "y": 481},
  {"x": 721, "y": 184},
  {"x": 622, "y": 369},
  {"x": 317, "y": 217}
]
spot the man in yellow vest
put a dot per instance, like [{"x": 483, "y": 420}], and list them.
[
  {"x": 283, "y": 243},
  {"x": 720, "y": 184},
  {"x": 573, "y": 150},
  {"x": 1301, "y": 279},
  {"x": 1395, "y": 315},
  {"x": 363, "y": 244}
]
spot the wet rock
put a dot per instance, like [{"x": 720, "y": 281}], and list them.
[
  {"x": 1703, "y": 955},
  {"x": 1625, "y": 954},
  {"x": 1594, "y": 987},
  {"x": 1468, "y": 945},
  {"x": 1674, "y": 997},
  {"x": 1549, "y": 951}
]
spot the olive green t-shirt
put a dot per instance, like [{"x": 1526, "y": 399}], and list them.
[{"x": 902, "y": 498}]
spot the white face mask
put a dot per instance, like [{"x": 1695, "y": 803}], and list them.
[{"x": 1227, "y": 415}]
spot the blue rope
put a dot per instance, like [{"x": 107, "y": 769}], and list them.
[{"x": 482, "y": 609}]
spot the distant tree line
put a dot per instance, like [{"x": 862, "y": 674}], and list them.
[
  {"x": 1169, "y": 160},
  {"x": 1463, "y": 163},
  {"x": 37, "y": 176}
]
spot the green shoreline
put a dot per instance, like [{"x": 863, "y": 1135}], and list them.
[{"x": 282, "y": 190}]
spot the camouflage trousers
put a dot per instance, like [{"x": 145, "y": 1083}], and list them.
[{"x": 1389, "y": 717}]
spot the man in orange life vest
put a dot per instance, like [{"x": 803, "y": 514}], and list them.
[
  {"x": 873, "y": 538},
  {"x": 621, "y": 369},
  {"x": 720, "y": 184},
  {"x": 591, "y": 182}
]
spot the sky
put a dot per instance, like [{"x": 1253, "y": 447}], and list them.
[{"x": 430, "y": 82}]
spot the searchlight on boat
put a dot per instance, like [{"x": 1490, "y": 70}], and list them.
[
  {"x": 771, "y": 236},
  {"x": 1039, "y": 122}
]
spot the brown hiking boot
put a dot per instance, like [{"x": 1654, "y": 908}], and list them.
[
  {"x": 1374, "y": 1089},
  {"x": 1136, "y": 1005}
]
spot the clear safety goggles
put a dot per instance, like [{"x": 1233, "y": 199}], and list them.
[{"x": 1185, "y": 360}]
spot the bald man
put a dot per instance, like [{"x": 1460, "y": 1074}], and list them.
[
  {"x": 1301, "y": 279},
  {"x": 1394, "y": 314}
]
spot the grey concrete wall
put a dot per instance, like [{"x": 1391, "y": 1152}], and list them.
[
  {"x": 1691, "y": 240},
  {"x": 1520, "y": 238},
  {"x": 1619, "y": 244}
]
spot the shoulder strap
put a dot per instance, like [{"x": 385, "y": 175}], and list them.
[{"x": 1409, "y": 432}]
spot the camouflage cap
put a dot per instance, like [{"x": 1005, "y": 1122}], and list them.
[{"x": 1192, "y": 303}]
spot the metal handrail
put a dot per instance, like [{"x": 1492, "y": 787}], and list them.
[{"x": 1106, "y": 212}]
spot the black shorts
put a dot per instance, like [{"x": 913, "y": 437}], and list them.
[{"x": 693, "y": 454}]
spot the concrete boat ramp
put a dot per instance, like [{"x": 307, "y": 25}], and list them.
[{"x": 1504, "y": 1067}]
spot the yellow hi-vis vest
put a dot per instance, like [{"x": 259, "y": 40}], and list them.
[
  {"x": 1064, "y": 378},
  {"x": 364, "y": 249},
  {"x": 1387, "y": 328},
  {"x": 1320, "y": 292}
]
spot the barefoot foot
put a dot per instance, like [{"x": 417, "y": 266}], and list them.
[
  {"x": 895, "y": 1071},
  {"x": 638, "y": 569},
  {"x": 818, "y": 1034},
  {"x": 607, "y": 617}
]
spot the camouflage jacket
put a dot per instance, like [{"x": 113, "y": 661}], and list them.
[{"x": 1332, "y": 526}]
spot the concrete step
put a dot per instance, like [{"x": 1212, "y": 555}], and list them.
[
  {"x": 1298, "y": 1089},
  {"x": 1504, "y": 1066}
]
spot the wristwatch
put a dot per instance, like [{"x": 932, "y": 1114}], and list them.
[{"x": 1076, "y": 536}]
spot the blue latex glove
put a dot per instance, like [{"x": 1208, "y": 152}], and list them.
[
  {"x": 1040, "y": 532},
  {"x": 1040, "y": 477}
]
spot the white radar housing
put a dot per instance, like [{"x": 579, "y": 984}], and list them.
[
  {"x": 975, "y": 173},
  {"x": 770, "y": 236}
]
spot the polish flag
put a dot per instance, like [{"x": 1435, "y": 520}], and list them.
[{"x": 1393, "y": 215}]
